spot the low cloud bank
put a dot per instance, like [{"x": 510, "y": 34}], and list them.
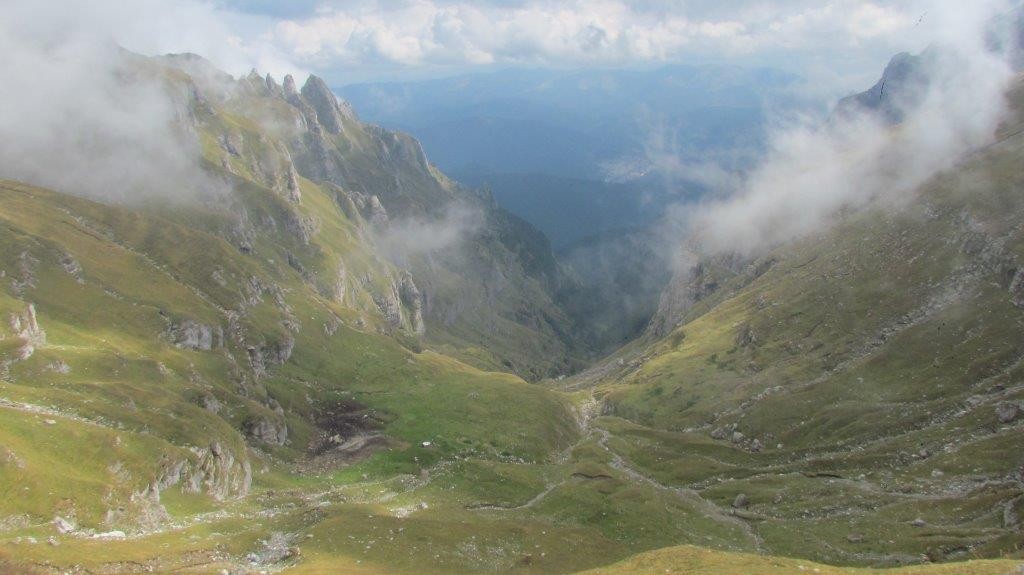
[
  {"x": 81, "y": 115},
  {"x": 813, "y": 170},
  {"x": 414, "y": 236}
]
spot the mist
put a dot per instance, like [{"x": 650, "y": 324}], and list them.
[
  {"x": 82, "y": 115},
  {"x": 813, "y": 169},
  {"x": 410, "y": 237}
]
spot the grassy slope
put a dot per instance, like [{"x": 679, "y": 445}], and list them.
[
  {"x": 507, "y": 482},
  {"x": 879, "y": 352},
  {"x": 685, "y": 560}
]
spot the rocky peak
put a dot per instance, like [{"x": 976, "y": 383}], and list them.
[
  {"x": 328, "y": 111},
  {"x": 902, "y": 87},
  {"x": 272, "y": 86},
  {"x": 290, "y": 91}
]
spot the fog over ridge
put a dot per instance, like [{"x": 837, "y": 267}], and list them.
[{"x": 814, "y": 169}]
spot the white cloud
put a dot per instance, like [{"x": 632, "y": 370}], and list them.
[
  {"x": 812, "y": 172},
  {"x": 578, "y": 32},
  {"x": 76, "y": 115},
  {"x": 234, "y": 41}
]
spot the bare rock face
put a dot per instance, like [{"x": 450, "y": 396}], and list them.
[
  {"x": 268, "y": 430},
  {"x": 72, "y": 267},
  {"x": 328, "y": 112},
  {"x": 340, "y": 283},
  {"x": 745, "y": 336},
  {"x": 25, "y": 326},
  {"x": 24, "y": 276},
  {"x": 902, "y": 87},
  {"x": 292, "y": 185},
  {"x": 210, "y": 403},
  {"x": 1017, "y": 289},
  {"x": 273, "y": 87},
  {"x": 231, "y": 143},
  {"x": 268, "y": 354},
  {"x": 302, "y": 227},
  {"x": 289, "y": 89},
  {"x": 60, "y": 366},
  {"x": 376, "y": 213},
  {"x": 193, "y": 335},
  {"x": 214, "y": 471},
  {"x": 390, "y": 305},
  {"x": 62, "y": 525},
  {"x": 366, "y": 206},
  {"x": 274, "y": 549},
  {"x": 413, "y": 300},
  {"x": 1007, "y": 412}
]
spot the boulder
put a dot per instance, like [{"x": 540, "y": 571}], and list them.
[
  {"x": 210, "y": 403},
  {"x": 62, "y": 525},
  {"x": 745, "y": 335},
  {"x": 190, "y": 334},
  {"x": 268, "y": 430},
  {"x": 1007, "y": 411}
]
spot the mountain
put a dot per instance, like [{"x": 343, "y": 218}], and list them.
[
  {"x": 569, "y": 210},
  {"x": 855, "y": 394},
  {"x": 275, "y": 373},
  {"x": 905, "y": 81},
  {"x": 620, "y": 277},
  {"x": 901, "y": 87},
  {"x": 575, "y": 123},
  {"x": 481, "y": 278}
]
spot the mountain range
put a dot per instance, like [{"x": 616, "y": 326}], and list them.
[{"x": 339, "y": 359}]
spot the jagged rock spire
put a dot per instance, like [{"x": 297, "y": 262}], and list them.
[
  {"x": 272, "y": 86},
  {"x": 289, "y": 87},
  {"x": 328, "y": 112}
]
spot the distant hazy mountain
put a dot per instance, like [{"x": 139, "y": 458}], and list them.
[
  {"x": 576, "y": 124},
  {"x": 568, "y": 210}
]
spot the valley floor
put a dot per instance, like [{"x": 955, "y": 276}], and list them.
[{"x": 588, "y": 509}]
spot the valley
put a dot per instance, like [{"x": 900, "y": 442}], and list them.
[{"x": 340, "y": 360}]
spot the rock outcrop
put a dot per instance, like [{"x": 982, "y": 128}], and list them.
[
  {"x": 190, "y": 334},
  {"x": 1017, "y": 289},
  {"x": 413, "y": 300},
  {"x": 269, "y": 354},
  {"x": 329, "y": 112},
  {"x": 25, "y": 326},
  {"x": 267, "y": 430},
  {"x": 389, "y": 304}
]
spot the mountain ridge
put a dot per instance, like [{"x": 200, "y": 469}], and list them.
[{"x": 273, "y": 378}]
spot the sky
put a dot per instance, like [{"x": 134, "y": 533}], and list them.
[{"x": 838, "y": 43}]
